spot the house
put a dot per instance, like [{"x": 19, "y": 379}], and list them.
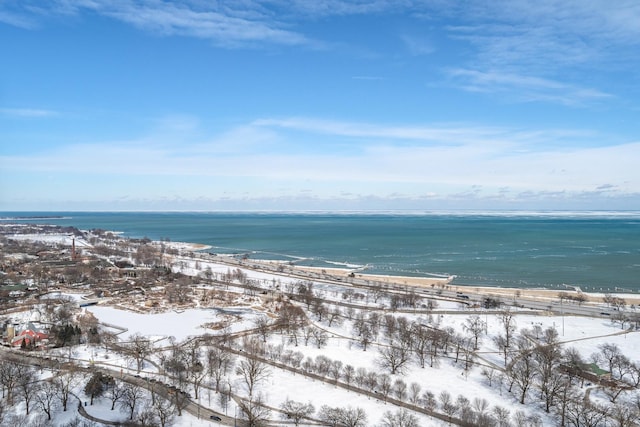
[
  {"x": 30, "y": 336},
  {"x": 16, "y": 294}
]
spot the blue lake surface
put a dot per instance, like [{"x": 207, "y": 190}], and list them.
[{"x": 597, "y": 251}]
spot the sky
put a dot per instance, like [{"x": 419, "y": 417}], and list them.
[{"x": 319, "y": 105}]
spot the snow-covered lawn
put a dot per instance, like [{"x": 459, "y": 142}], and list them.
[{"x": 585, "y": 334}]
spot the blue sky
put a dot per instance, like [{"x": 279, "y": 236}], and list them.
[{"x": 324, "y": 104}]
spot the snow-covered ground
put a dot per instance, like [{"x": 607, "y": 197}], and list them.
[
  {"x": 180, "y": 325},
  {"x": 582, "y": 333}
]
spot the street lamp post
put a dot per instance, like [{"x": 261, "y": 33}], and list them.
[{"x": 562, "y": 314}]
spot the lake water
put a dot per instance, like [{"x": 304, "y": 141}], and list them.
[{"x": 597, "y": 251}]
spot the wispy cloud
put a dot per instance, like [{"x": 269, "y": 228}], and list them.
[
  {"x": 17, "y": 19},
  {"x": 416, "y": 45},
  {"x": 231, "y": 24},
  {"x": 444, "y": 160},
  {"x": 525, "y": 50},
  {"x": 265, "y": 164},
  {"x": 323, "y": 8},
  {"x": 524, "y": 88},
  {"x": 223, "y": 26},
  {"x": 455, "y": 134},
  {"x": 27, "y": 112},
  {"x": 548, "y": 33},
  {"x": 370, "y": 78}
]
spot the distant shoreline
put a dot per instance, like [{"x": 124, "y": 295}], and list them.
[
  {"x": 507, "y": 252},
  {"x": 31, "y": 218},
  {"x": 429, "y": 282}
]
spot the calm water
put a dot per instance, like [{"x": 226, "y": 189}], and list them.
[{"x": 595, "y": 251}]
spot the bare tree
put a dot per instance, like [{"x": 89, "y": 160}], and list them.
[
  {"x": 263, "y": 326},
  {"x": 322, "y": 364},
  {"x": 335, "y": 370},
  {"x": 165, "y": 411},
  {"x": 371, "y": 380},
  {"x": 97, "y": 385},
  {"x": 414, "y": 393},
  {"x": 366, "y": 337},
  {"x": 384, "y": 380},
  {"x": 625, "y": 415},
  {"x": 2, "y": 413},
  {"x": 65, "y": 382},
  {"x": 447, "y": 404},
  {"x": 26, "y": 385},
  {"x": 296, "y": 411},
  {"x": 507, "y": 318},
  {"x": 307, "y": 334},
  {"x": 400, "y": 418},
  {"x": 290, "y": 319},
  {"x": 348, "y": 373},
  {"x": 429, "y": 400},
  {"x": 420, "y": 343},
  {"x": 548, "y": 357},
  {"x": 115, "y": 394},
  {"x": 475, "y": 326},
  {"x": 400, "y": 389},
  {"x": 255, "y": 411},
  {"x": 522, "y": 369},
  {"x": 9, "y": 376},
  {"x": 394, "y": 357},
  {"x": 131, "y": 396},
  {"x": 614, "y": 301},
  {"x": 46, "y": 398},
  {"x": 343, "y": 417},
  {"x": 319, "y": 309},
  {"x": 221, "y": 362},
  {"x": 179, "y": 400},
  {"x": 585, "y": 414},
  {"x": 334, "y": 316},
  {"x": 573, "y": 362},
  {"x": 252, "y": 372},
  {"x": 609, "y": 353},
  {"x": 320, "y": 337},
  {"x": 196, "y": 371},
  {"x": 563, "y": 398},
  {"x": 138, "y": 348},
  {"x": 363, "y": 331},
  {"x": 502, "y": 416},
  {"x": 146, "y": 416}
]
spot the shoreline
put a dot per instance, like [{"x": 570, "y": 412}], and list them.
[
  {"x": 504, "y": 292},
  {"x": 427, "y": 282}
]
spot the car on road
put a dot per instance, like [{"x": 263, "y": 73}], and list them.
[{"x": 215, "y": 418}]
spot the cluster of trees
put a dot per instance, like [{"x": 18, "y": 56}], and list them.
[
  {"x": 475, "y": 413},
  {"x": 621, "y": 369},
  {"x": 343, "y": 417},
  {"x": 22, "y": 383},
  {"x": 538, "y": 369},
  {"x": 535, "y": 368},
  {"x": 142, "y": 407},
  {"x": 578, "y": 297},
  {"x": 478, "y": 412},
  {"x": 372, "y": 381},
  {"x": 407, "y": 341},
  {"x": 53, "y": 394}
]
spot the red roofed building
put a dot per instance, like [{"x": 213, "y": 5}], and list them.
[{"x": 31, "y": 336}]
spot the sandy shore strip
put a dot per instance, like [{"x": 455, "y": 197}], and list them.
[
  {"x": 436, "y": 282},
  {"x": 430, "y": 282},
  {"x": 186, "y": 246}
]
